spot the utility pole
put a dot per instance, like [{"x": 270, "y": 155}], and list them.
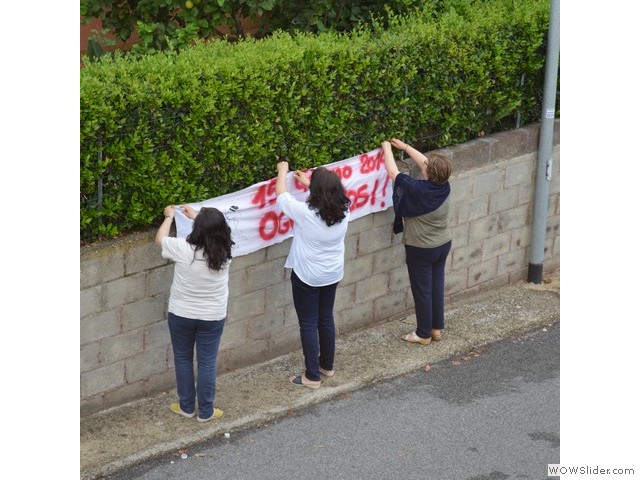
[{"x": 545, "y": 147}]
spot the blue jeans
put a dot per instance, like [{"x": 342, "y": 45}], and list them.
[
  {"x": 314, "y": 306},
  {"x": 205, "y": 336},
  {"x": 426, "y": 275}
]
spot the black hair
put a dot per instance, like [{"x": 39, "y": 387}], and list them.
[
  {"x": 212, "y": 235},
  {"x": 327, "y": 196}
]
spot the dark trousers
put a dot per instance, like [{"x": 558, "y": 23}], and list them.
[
  {"x": 426, "y": 275},
  {"x": 314, "y": 306},
  {"x": 187, "y": 333}
]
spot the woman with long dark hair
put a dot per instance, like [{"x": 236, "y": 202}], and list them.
[
  {"x": 316, "y": 258},
  {"x": 197, "y": 305}
]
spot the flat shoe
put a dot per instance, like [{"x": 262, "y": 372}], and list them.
[
  {"x": 175, "y": 408},
  {"x": 436, "y": 336},
  {"x": 297, "y": 380},
  {"x": 413, "y": 338},
  {"x": 217, "y": 413},
  {"x": 327, "y": 373}
]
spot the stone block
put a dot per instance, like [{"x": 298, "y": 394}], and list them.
[
  {"x": 102, "y": 379},
  {"x": 146, "y": 364},
  {"x": 504, "y": 200},
  {"x": 358, "y": 269},
  {"x": 388, "y": 259},
  {"x": 89, "y": 357},
  {"x": 487, "y": 182},
  {"x": 461, "y": 189},
  {"x": 478, "y": 208},
  {"x": 509, "y": 144},
  {"x": 373, "y": 287},
  {"x": 157, "y": 335},
  {"x": 95, "y": 327},
  {"x": 100, "y": 266},
  {"x": 90, "y": 301},
  {"x": 243, "y": 355},
  {"x": 279, "y": 251},
  {"x": 284, "y": 343},
  {"x": 144, "y": 312},
  {"x": 512, "y": 261},
  {"x": 467, "y": 254},
  {"x": 278, "y": 294},
  {"x": 389, "y": 305},
  {"x": 470, "y": 155},
  {"x": 244, "y": 261},
  {"x": 159, "y": 280},
  {"x": 142, "y": 256},
  {"x": 484, "y": 227},
  {"x": 520, "y": 238},
  {"x": 247, "y": 306},
  {"x": 482, "y": 272},
  {"x": 385, "y": 217},
  {"x": 515, "y": 218},
  {"x": 345, "y": 296},
  {"x": 520, "y": 171},
  {"x": 119, "y": 347},
  {"x": 376, "y": 239},
  {"x": 496, "y": 245},
  {"x": 399, "y": 279},
  {"x": 358, "y": 316},
  {"x": 359, "y": 225},
  {"x": 237, "y": 284},
  {"x": 234, "y": 334},
  {"x": 262, "y": 327},
  {"x": 122, "y": 291},
  {"x": 456, "y": 280},
  {"x": 261, "y": 276}
]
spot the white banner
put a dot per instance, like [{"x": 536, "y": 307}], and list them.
[{"x": 256, "y": 221}]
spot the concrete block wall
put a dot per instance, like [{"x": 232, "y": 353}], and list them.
[{"x": 125, "y": 350}]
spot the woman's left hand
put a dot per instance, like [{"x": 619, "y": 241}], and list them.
[
  {"x": 189, "y": 212},
  {"x": 283, "y": 166},
  {"x": 302, "y": 178},
  {"x": 170, "y": 211}
]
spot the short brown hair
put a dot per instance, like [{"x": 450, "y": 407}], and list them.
[{"x": 438, "y": 168}]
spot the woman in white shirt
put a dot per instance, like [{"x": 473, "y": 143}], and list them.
[
  {"x": 197, "y": 305},
  {"x": 316, "y": 258}
]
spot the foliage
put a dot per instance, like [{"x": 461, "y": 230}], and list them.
[
  {"x": 215, "y": 118},
  {"x": 176, "y": 24},
  {"x": 173, "y": 24}
]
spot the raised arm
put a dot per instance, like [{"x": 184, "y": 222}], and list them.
[
  {"x": 389, "y": 161},
  {"x": 418, "y": 158},
  {"x": 281, "y": 181},
  {"x": 163, "y": 231}
]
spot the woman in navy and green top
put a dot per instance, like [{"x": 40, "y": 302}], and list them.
[{"x": 422, "y": 209}]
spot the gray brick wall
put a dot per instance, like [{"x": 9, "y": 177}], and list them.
[{"x": 125, "y": 350}]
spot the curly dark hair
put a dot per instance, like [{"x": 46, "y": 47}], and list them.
[
  {"x": 327, "y": 196},
  {"x": 212, "y": 235}
]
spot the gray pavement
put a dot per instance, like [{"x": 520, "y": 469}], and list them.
[{"x": 123, "y": 437}]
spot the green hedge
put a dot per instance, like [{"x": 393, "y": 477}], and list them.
[{"x": 172, "y": 128}]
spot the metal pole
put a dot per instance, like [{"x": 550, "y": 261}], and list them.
[{"x": 545, "y": 147}]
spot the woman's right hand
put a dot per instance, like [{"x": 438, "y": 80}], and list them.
[
  {"x": 399, "y": 144},
  {"x": 283, "y": 166}
]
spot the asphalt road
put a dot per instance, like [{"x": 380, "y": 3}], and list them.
[{"x": 491, "y": 415}]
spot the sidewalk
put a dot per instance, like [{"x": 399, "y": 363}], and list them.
[{"x": 123, "y": 436}]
